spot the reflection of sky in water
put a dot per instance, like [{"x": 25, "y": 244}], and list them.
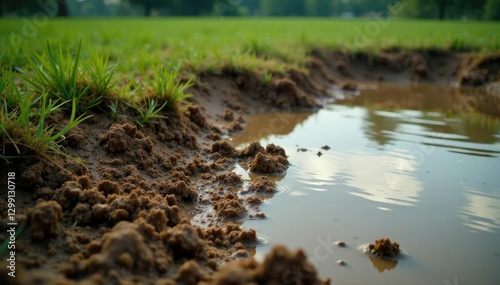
[
  {"x": 482, "y": 210},
  {"x": 384, "y": 179},
  {"x": 376, "y": 177}
]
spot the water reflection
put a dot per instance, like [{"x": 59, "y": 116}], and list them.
[
  {"x": 472, "y": 113},
  {"x": 276, "y": 123},
  {"x": 383, "y": 264},
  {"x": 384, "y": 179},
  {"x": 396, "y": 168},
  {"x": 482, "y": 210}
]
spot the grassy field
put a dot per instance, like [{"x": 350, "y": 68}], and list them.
[
  {"x": 80, "y": 64},
  {"x": 191, "y": 41}
]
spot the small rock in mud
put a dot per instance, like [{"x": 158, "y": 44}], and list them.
[
  {"x": 44, "y": 220},
  {"x": 340, "y": 243},
  {"x": 384, "y": 247},
  {"x": 341, "y": 262},
  {"x": 262, "y": 184}
]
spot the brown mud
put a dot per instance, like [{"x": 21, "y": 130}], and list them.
[{"x": 126, "y": 214}]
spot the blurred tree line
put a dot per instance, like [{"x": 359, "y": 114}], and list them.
[{"x": 441, "y": 9}]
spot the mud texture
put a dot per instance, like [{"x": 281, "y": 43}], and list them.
[{"x": 160, "y": 204}]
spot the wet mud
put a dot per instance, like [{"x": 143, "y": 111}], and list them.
[{"x": 160, "y": 204}]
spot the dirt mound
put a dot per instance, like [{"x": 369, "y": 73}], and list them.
[
  {"x": 384, "y": 247},
  {"x": 264, "y": 163},
  {"x": 45, "y": 220},
  {"x": 280, "y": 266},
  {"x": 271, "y": 160},
  {"x": 262, "y": 184},
  {"x": 229, "y": 206}
]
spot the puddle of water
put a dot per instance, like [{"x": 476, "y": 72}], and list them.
[{"x": 417, "y": 164}]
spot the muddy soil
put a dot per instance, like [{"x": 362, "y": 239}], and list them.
[{"x": 125, "y": 214}]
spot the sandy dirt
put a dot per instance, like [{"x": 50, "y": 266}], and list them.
[{"x": 125, "y": 215}]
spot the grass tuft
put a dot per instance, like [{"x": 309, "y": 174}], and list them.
[
  {"x": 24, "y": 132},
  {"x": 68, "y": 79},
  {"x": 166, "y": 88},
  {"x": 149, "y": 112}
]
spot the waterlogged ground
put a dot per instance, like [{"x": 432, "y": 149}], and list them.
[{"x": 406, "y": 162}]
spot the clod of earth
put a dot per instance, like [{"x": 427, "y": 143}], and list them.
[
  {"x": 262, "y": 184},
  {"x": 384, "y": 247}
]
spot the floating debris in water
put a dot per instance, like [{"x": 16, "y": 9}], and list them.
[
  {"x": 340, "y": 243},
  {"x": 301, "y": 149},
  {"x": 341, "y": 262},
  {"x": 319, "y": 153},
  {"x": 325, "y": 147}
]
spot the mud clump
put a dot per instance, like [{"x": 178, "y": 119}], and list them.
[
  {"x": 44, "y": 220},
  {"x": 223, "y": 148},
  {"x": 228, "y": 115},
  {"x": 282, "y": 266},
  {"x": 230, "y": 178},
  {"x": 230, "y": 235},
  {"x": 229, "y": 206},
  {"x": 264, "y": 163},
  {"x": 108, "y": 187},
  {"x": 262, "y": 184},
  {"x": 185, "y": 241},
  {"x": 122, "y": 247},
  {"x": 128, "y": 140},
  {"x": 194, "y": 114},
  {"x": 179, "y": 188},
  {"x": 270, "y": 160},
  {"x": 384, "y": 247},
  {"x": 251, "y": 150}
]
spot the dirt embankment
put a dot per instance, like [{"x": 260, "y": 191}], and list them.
[{"x": 125, "y": 215}]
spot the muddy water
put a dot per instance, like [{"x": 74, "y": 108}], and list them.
[{"x": 417, "y": 164}]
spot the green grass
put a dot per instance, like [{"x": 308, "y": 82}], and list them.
[
  {"x": 24, "y": 133},
  {"x": 143, "y": 67},
  {"x": 201, "y": 44}
]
